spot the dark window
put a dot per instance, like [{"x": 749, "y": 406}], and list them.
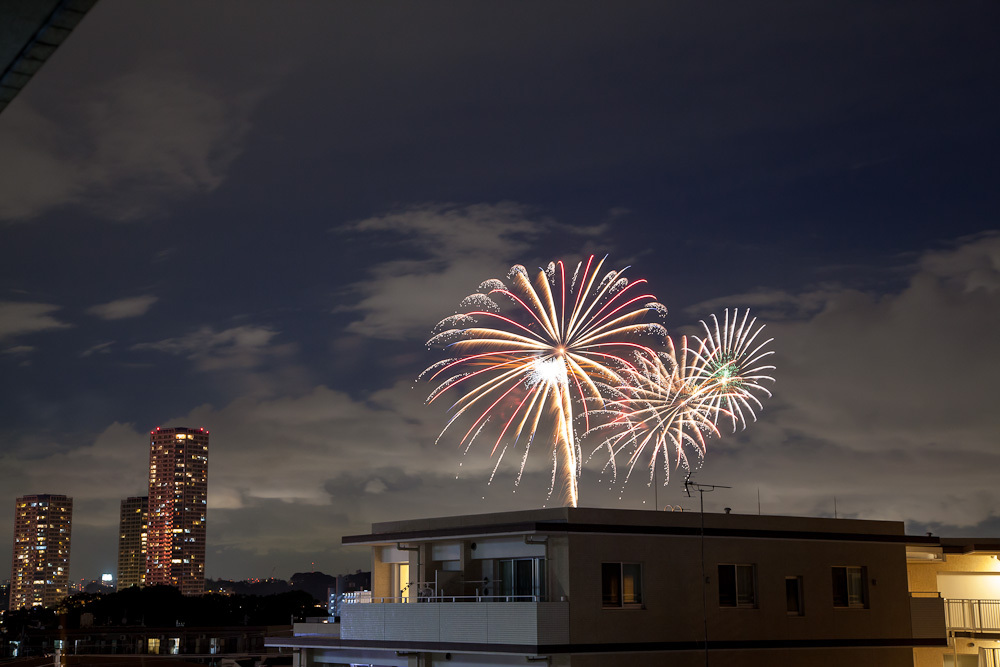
[
  {"x": 737, "y": 586},
  {"x": 793, "y": 596},
  {"x": 849, "y": 587},
  {"x": 521, "y": 579},
  {"x": 621, "y": 584}
]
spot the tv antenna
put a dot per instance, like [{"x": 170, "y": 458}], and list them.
[{"x": 702, "y": 489}]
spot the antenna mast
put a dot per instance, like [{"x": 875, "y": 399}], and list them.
[{"x": 702, "y": 489}]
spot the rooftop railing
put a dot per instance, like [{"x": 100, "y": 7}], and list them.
[{"x": 444, "y": 598}]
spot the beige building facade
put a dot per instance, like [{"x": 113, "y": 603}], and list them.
[{"x": 964, "y": 573}]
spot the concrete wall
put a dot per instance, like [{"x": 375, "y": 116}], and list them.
[
  {"x": 868, "y": 657},
  {"x": 522, "y": 623},
  {"x": 672, "y": 594}
]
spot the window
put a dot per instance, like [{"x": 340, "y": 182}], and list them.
[
  {"x": 521, "y": 579},
  {"x": 849, "y": 588},
  {"x": 737, "y": 586},
  {"x": 621, "y": 585},
  {"x": 793, "y": 596},
  {"x": 402, "y": 588}
]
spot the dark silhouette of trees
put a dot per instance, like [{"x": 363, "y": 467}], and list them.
[{"x": 164, "y": 606}]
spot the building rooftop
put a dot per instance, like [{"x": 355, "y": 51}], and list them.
[{"x": 615, "y": 521}]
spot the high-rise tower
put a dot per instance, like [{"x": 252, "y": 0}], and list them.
[
  {"x": 133, "y": 531},
  {"x": 178, "y": 500},
  {"x": 39, "y": 573}
]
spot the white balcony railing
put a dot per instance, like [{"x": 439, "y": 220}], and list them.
[
  {"x": 524, "y": 623},
  {"x": 366, "y": 596},
  {"x": 972, "y": 615}
]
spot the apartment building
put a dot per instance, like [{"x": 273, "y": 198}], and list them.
[
  {"x": 588, "y": 587},
  {"x": 177, "y": 508},
  {"x": 964, "y": 573},
  {"x": 39, "y": 571},
  {"x": 133, "y": 532}
]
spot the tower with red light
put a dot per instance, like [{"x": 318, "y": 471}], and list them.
[{"x": 178, "y": 503}]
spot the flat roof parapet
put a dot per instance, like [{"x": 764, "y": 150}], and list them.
[{"x": 563, "y": 520}]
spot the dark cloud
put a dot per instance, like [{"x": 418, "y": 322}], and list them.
[
  {"x": 375, "y": 481},
  {"x": 448, "y": 251},
  {"x": 18, "y": 318},
  {"x": 236, "y": 348},
  {"x": 99, "y": 348},
  {"x": 132, "y": 306},
  {"x": 147, "y": 138},
  {"x": 880, "y": 399}
]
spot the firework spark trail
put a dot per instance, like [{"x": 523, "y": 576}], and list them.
[
  {"x": 662, "y": 409},
  {"x": 730, "y": 366},
  {"x": 678, "y": 404},
  {"x": 546, "y": 358}
]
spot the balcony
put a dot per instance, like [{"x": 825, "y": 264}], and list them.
[
  {"x": 972, "y": 615},
  {"x": 475, "y": 620}
]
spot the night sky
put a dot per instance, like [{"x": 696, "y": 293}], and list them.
[{"x": 248, "y": 216}]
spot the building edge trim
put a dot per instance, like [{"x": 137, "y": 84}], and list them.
[
  {"x": 617, "y": 529},
  {"x": 624, "y": 647}
]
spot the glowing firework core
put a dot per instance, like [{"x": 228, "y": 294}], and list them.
[{"x": 550, "y": 370}]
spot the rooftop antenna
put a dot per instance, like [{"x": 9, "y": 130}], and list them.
[
  {"x": 702, "y": 489},
  {"x": 656, "y": 494}
]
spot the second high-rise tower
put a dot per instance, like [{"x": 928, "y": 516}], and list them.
[{"x": 178, "y": 503}]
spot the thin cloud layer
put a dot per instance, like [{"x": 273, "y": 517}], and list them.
[
  {"x": 878, "y": 404},
  {"x": 18, "y": 318},
  {"x": 133, "y": 306},
  {"x": 875, "y": 411},
  {"x": 148, "y": 138},
  {"x": 880, "y": 399},
  {"x": 242, "y": 347},
  {"x": 972, "y": 265},
  {"x": 446, "y": 252}
]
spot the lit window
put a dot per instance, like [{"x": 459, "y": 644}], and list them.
[
  {"x": 849, "y": 587},
  {"x": 621, "y": 585},
  {"x": 737, "y": 585}
]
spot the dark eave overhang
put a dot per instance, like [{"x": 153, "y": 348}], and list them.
[
  {"x": 552, "y": 528},
  {"x": 611, "y": 648},
  {"x": 970, "y": 545},
  {"x": 29, "y": 43}
]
